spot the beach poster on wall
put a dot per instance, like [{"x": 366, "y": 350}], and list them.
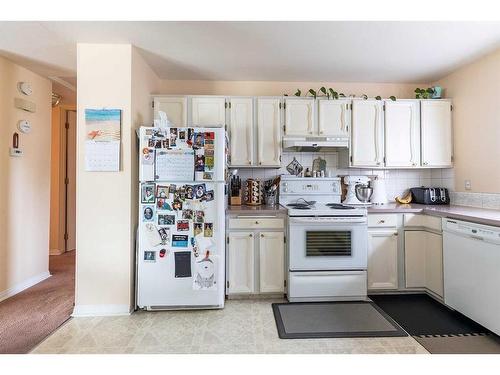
[{"x": 102, "y": 144}]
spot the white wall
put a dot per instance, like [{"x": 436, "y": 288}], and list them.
[
  {"x": 108, "y": 75},
  {"x": 476, "y": 122},
  {"x": 264, "y": 88},
  {"x": 24, "y": 183}
]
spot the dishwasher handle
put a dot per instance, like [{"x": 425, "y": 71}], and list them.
[{"x": 472, "y": 231}]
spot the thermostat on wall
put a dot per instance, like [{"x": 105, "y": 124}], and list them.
[
  {"x": 24, "y": 88},
  {"x": 24, "y": 126},
  {"x": 16, "y": 152}
]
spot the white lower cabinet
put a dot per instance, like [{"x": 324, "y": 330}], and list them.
[
  {"x": 383, "y": 259},
  {"x": 255, "y": 256},
  {"x": 240, "y": 277},
  {"x": 424, "y": 260},
  {"x": 271, "y": 262},
  {"x": 434, "y": 263}
]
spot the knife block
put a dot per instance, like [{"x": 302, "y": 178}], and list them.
[{"x": 236, "y": 200}]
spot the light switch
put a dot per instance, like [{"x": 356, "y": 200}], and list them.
[{"x": 467, "y": 185}]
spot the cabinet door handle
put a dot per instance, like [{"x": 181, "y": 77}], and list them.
[
  {"x": 261, "y": 235},
  {"x": 256, "y": 222},
  {"x": 250, "y": 235},
  {"x": 381, "y": 221}
]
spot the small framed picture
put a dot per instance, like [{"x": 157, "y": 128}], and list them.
[
  {"x": 162, "y": 191},
  {"x": 209, "y": 195},
  {"x": 199, "y": 141},
  {"x": 177, "y": 205},
  {"x": 163, "y": 204},
  {"x": 187, "y": 214},
  {"x": 150, "y": 256},
  {"x": 165, "y": 219},
  {"x": 199, "y": 165},
  {"x": 182, "y": 225},
  {"x": 199, "y": 191},
  {"x": 209, "y": 230},
  {"x": 197, "y": 229},
  {"x": 189, "y": 192},
  {"x": 164, "y": 235},
  {"x": 148, "y": 193},
  {"x": 148, "y": 213},
  {"x": 199, "y": 216}
]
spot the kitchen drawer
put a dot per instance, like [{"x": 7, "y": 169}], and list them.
[
  {"x": 256, "y": 222},
  {"x": 343, "y": 285},
  {"x": 419, "y": 220},
  {"x": 382, "y": 220}
]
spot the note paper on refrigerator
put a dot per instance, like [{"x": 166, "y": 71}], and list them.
[{"x": 174, "y": 165}]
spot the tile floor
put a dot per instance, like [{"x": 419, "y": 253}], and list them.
[{"x": 243, "y": 326}]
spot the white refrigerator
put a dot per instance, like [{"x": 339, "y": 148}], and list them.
[{"x": 180, "y": 246}]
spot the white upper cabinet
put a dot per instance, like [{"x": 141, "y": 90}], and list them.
[
  {"x": 174, "y": 106},
  {"x": 208, "y": 111},
  {"x": 268, "y": 132},
  {"x": 272, "y": 262},
  {"x": 367, "y": 133},
  {"x": 436, "y": 133},
  {"x": 402, "y": 133},
  {"x": 299, "y": 117},
  {"x": 241, "y": 131},
  {"x": 334, "y": 118}
]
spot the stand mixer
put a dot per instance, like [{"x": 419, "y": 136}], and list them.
[{"x": 351, "y": 182}]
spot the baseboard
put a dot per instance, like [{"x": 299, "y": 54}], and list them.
[
  {"x": 56, "y": 252},
  {"x": 24, "y": 285},
  {"x": 101, "y": 310}
]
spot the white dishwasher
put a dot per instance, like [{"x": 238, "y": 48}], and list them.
[{"x": 471, "y": 260}]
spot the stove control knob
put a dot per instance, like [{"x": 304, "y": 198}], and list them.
[{"x": 285, "y": 187}]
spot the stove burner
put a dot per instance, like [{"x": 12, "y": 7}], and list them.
[
  {"x": 300, "y": 206},
  {"x": 338, "y": 206}
]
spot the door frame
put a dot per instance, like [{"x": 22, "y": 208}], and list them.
[{"x": 59, "y": 172}]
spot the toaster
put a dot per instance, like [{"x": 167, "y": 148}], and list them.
[{"x": 430, "y": 195}]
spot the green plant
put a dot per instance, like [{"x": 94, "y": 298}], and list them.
[
  {"x": 423, "y": 93},
  {"x": 364, "y": 96},
  {"x": 393, "y": 98},
  {"x": 298, "y": 92},
  {"x": 378, "y": 97},
  {"x": 313, "y": 93}
]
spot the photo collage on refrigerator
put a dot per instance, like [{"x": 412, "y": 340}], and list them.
[{"x": 177, "y": 218}]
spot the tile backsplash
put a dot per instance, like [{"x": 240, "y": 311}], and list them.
[
  {"x": 484, "y": 200},
  {"x": 397, "y": 180}
]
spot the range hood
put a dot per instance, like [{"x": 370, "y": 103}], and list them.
[{"x": 315, "y": 144}]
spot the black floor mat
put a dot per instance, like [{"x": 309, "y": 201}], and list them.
[{"x": 421, "y": 315}]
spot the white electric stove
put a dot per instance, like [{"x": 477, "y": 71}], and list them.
[{"x": 328, "y": 241}]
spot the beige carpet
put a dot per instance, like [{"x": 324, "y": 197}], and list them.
[{"x": 30, "y": 316}]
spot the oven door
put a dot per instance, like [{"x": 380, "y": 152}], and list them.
[{"x": 328, "y": 243}]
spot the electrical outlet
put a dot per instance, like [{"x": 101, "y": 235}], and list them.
[{"x": 467, "y": 185}]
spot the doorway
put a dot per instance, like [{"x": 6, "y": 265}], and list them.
[{"x": 63, "y": 181}]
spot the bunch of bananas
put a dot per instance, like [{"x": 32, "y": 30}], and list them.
[{"x": 404, "y": 200}]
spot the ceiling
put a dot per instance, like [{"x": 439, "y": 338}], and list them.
[{"x": 344, "y": 51}]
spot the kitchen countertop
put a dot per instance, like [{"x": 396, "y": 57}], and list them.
[
  {"x": 256, "y": 210},
  {"x": 472, "y": 214}
]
